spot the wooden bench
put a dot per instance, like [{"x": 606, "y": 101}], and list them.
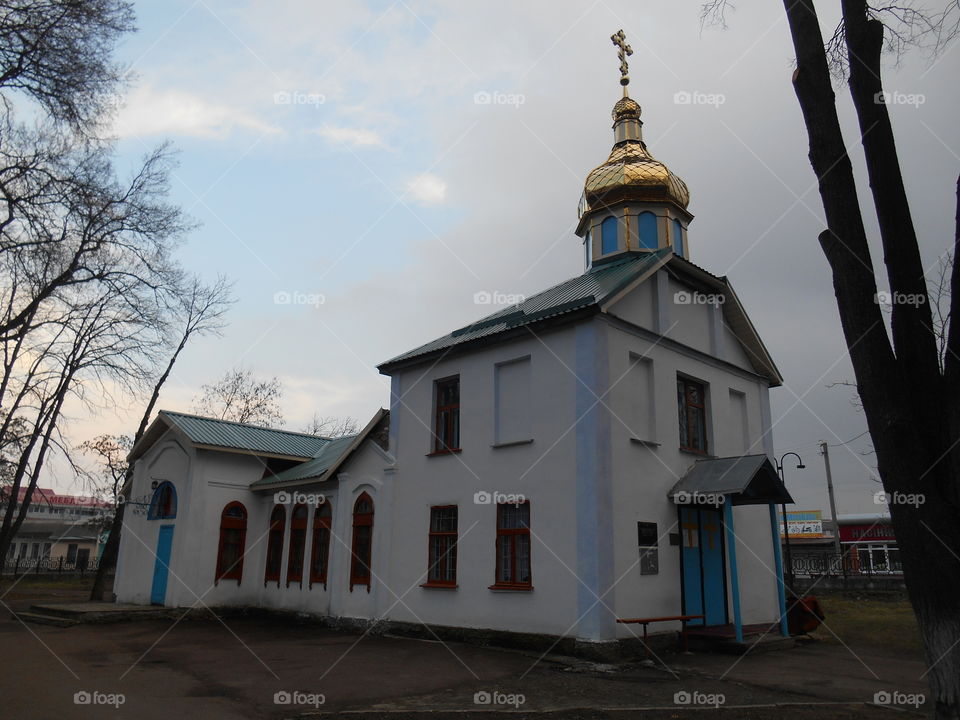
[{"x": 667, "y": 618}]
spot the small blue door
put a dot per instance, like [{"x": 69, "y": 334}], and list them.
[
  {"x": 162, "y": 565},
  {"x": 704, "y": 584}
]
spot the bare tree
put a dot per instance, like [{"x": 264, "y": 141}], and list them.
[
  {"x": 331, "y": 426},
  {"x": 909, "y": 395},
  {"x": 240, "y": 397},
  {"x": 200, "y": 310}
]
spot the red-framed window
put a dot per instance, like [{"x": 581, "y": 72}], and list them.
[
  {"x": 692, "y": 413},
  {"x": 362, "y": 545},
  {"x": 278, "y": 522},
  {"x": 320, "y": 546},
  {"x": 447, "y": 415},
  {"x": 513, "y": 546},
  {"x": 442, "y": 548},
  {"x": 233, "y": 539},
  {"x": 298, "y": 544}
]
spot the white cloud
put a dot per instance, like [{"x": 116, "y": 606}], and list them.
[
  {"x": 427, "y": 189},
  {"x": 351, "y": 136},
  {"x": 148, "y": 111}
]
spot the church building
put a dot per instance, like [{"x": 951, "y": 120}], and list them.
[{"x": 600, "y": 451}]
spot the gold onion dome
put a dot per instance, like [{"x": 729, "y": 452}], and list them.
[{"x": 631, "y": 173}]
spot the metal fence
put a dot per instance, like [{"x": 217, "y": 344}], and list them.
[
  {"x": 47, "y": 566},
  {"x": 845, "y": 565}
]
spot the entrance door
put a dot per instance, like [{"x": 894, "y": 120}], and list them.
[
  {"x": 704, "y": 576},
  {"x": 162, "y": 565}
]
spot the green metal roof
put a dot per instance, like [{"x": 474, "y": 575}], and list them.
[
  {"x": 240, "y": 436},
  {"x": 325, "y": 459},
  {"x": 583, "y": 291}
]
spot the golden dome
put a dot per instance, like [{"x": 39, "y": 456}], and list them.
[
  {"x": 631, "y": 173},
  {"x": 625, "y": 108}
]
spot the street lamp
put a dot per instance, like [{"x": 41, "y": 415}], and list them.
[{"x": 783, "y": 511}]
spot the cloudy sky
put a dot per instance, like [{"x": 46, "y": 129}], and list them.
[{"x": 394, "y": 158}]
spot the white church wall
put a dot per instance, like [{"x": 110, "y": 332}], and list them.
[
  {"x": 756, "y": 564},
  {"x": 540, "y": 470},
  {"x": 364, "y": 473},
  {"x": 644, "y": 472},
  {"x": 168, "y": 460}
]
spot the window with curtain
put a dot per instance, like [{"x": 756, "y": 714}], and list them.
[
  {"x": 233, "y": 537},
  {"x": 362, "y": 544}
]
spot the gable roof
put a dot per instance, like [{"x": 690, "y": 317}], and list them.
[
  {"x": 594, "y": 291},
  {"x": 211, "y": 433},
  {"x": 745, "y": 479},
  {"x": 326, "y": 462},
  {"x": 579, "y": 293}
]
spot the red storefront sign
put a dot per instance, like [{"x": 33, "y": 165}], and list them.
[{"x": 867, "y": 532}]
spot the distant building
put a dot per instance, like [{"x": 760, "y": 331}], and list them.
[
  {"x": 57, "y": 526},
  {"x": 868, "y": 544}
]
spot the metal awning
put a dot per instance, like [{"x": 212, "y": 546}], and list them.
[{"x": 744, "y": 480}]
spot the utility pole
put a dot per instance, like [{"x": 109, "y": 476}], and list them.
[{"x": 825, "y": 451}]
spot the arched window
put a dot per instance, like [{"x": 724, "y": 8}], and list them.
[
  {"x": 609, "y": 230},
  {"x": 678, "y": 238},
  {"x": 320, "y": 547},
  {"x": 588, "y": 251},
  {"x": 362, "y": 542},
  {"x": 163, "y": 505},
  {"x": 278, "y": 521},
  {"x": 233, "y": 538},
  {"x": 298, "y": 541},
  {"x": 647, "y": 224}
]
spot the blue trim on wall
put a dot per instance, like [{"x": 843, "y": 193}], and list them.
[
  {"x": 594, "y": 492},
  {"x": 778, "y": 565},
  {"x": 734, "y": 577}
]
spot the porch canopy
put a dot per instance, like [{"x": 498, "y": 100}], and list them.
[{"x": 744, "y": 480}]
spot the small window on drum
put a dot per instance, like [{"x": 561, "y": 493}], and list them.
[
  {"x": 609, "y": 235},
  {"x": 647, "y": 227},
  {"x": 678, "y": 238}
]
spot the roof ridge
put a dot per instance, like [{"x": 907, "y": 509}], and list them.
[{"x": 248, "y": 425}]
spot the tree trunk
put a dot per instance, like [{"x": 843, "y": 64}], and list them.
[
  {"x": 913, "y": 429},
  {"x": 111, "y": 551}
]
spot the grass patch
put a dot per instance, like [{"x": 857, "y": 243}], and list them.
[{"x": 880, "y": 623}]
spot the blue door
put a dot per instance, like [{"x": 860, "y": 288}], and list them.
[
  {"x": 704, "y": 581},
  {"x": 162, "y": 565}
]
